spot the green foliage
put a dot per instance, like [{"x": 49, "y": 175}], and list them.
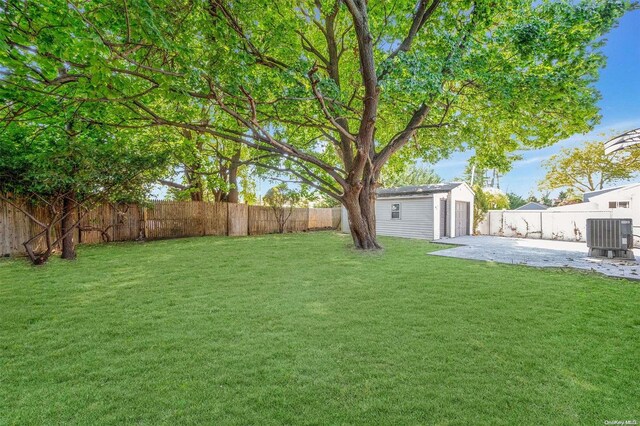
[
  {"x": 497, "y": 76},
  {"x": 53, "y": 157},
  {"x": 487, "y": 199},
  {"x": 568, "y": 197},
  {"x": 496, "y": 200},
  {"x": 544, "y": 199},
  {"x": 515, "y": 200},
  {"x": 282, "y": 200},
  {"x": 411, "y": 175},
  {"x": 281, "y": 196},
  {"x": 588, "y": 168},
  {"x": 210, "y": 168},
  {"x": 323, "y": 201}
]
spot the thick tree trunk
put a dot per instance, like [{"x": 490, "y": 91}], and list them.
[
  {"x": 234, "y": 194},
  {"x": 361, "y": 210},
  {"x": 196, "y": 194},
  {"x": 68, "y": 223},
  {"x": 195, "y": 183}
]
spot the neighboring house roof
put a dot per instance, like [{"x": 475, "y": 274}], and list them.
[
  {"x": 418, "y": 190},
  {"x": 587, "y": 196},
  {"x": 532, "y": 206}
]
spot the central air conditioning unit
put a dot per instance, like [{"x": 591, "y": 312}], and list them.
[{"x": 612, "y": 238}]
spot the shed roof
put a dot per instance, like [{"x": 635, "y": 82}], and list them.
[{"x": 417, "y": 190}]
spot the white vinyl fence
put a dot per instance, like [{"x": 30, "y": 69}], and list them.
[{"x": 548, "y": 224}]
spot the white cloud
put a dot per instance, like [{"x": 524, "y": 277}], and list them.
[
  {"x": 446, "y": 164},
  {"x": 531, "y": 160}
]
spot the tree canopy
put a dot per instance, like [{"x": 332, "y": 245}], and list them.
[
  {"x": 327, "y": 92},
  {"x": 410, "y": 175},
  {"x": 515, "y": 200},
  {"x": 282, "y": 200},
  {"x": 52, "y": 158},
  {"x": 588, "y": 168}
]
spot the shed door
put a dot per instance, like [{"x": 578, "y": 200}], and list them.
[
  {"x": 462, "y": 218},
  {"x": 443, "y": 217}
]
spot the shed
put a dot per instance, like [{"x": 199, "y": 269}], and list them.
[{"x": 427, "y": 212}]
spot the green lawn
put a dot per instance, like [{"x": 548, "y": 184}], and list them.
[{"x": 300, "y": 329}]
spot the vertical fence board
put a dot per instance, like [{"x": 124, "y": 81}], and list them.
[
  {"x": 215, "y": 218},
  {"x": 16, "y": 228},
  {"x": 238, "y": 217},
  {"x": 321, "y": 218}
]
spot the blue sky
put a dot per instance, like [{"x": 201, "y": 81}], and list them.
[{"x": 619, "y": 85}]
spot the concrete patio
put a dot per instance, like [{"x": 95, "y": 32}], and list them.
[{"x": 538, "y": 253}]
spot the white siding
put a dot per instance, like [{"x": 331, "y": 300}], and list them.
[
  {"x": 416, "y": 217},
  {"x": 460, "y": 193},
  {"x": 598, "y": 206},
  {"x": 436, "y": 212},
  {"x": 420, "y": 215}
]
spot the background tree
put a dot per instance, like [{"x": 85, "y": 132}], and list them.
[
  {"x": 282, "y": 200},
  {"x": 324, "y": 201},
  {"x": 480, "y": 207},
  {"x": 52, "y": 159},
  {"x": 567, "y": 197},
  {"x": 588, "y": 168},
  {"x": 329, "y": 90},
  {"x": 486, "y": 199},
  {"x": 544, "y": 198},
  {"x": 515, "y": 200},
  {"x": 211, "y": 170},
  {"x": 407, "y": 176}
]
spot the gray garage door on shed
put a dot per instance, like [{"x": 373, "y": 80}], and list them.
[{"x": 462, "y": 218}]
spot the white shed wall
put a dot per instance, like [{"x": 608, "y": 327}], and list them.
[
  {"x": 416, "y": 217},
  {"x": 460, "y": 193},
  {"x": 436, "y": 212}
]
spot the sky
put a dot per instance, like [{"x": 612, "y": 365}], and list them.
[{"x": 619, "y": 85}]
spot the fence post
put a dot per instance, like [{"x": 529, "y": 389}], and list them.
[
  {"x": 145, "y": 231},
  {"x": 228, "y": 218},
  {"x": 248, "y": 220},
  {"x": 203, "y": 217},
  {"x": 541, "y": 222},
  {"x": 79, "y": 227}
]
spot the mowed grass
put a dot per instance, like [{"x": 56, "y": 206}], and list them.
[{"x": 301, "y": 329}]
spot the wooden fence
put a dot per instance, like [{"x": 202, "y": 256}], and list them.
[{"x": 163, "y": 220}]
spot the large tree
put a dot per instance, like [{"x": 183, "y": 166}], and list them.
[
  {"x": 327, "y": 91},
  {"x": 588, "y": 168},
  {"x": 52, "y": 158}
]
